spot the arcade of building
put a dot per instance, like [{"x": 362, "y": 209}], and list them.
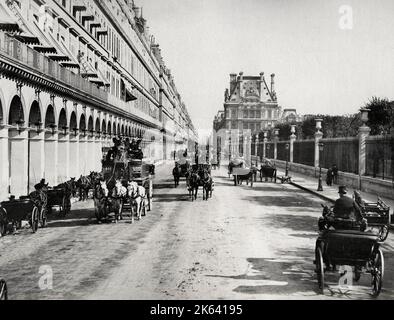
[{"x": 54, "y": 121}]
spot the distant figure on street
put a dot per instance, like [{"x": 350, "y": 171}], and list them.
[
  {"x": 329, "y": 177},
  {"x": 335, "y": 173}
]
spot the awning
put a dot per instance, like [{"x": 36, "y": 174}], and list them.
[
  {"x": 130, "y": 96},
  {"x": 70, "y": 65},
  {"x": 89, "y": 75},
  {"x": 98, "y": 82},
  {"x": 45, "y": 49},
  {"x": 59, "y": 58},
  {"x": 27, "y": 38}
]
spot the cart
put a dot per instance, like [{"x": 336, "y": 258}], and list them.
[
  {"x": 15, "y": 212},
  {"x": 357, "y": 249},
  {"x": 242, "y": 174},
  {"x": 377, "y": 215},
  {"x": 59, "y": 197},
  {"x": 344, "y": 242}
]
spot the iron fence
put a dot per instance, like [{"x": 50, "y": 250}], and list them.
[
  {"x": 304, "y": 152},
  {"x": 283, "y": 153},
  {"x": 342, "y": 152},
  {"x": 380, "y": 157}
]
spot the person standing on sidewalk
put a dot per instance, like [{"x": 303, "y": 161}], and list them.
[{"x": 335, "y": 173}]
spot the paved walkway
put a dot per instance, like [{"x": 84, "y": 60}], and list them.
[{"x": 329, "y": 194}]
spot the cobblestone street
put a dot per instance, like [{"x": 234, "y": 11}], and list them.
[{"x": 244, "y": 243}]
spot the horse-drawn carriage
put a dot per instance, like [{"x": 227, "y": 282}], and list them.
[
  {"x": 376, "y": 213},
  {"x": 128, "y": 185},
  {"x": 235, "y": 163},
  {"x": 15, "y": 211},
  {"x": 61, "y": 198},
  {"x": 200, "y": 176},
  {"x": 243, "y": 174},
  {"x": 342, "y": 242}
]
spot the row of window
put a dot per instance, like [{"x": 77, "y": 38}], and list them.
[
  {"x": 252, "y": 114},
  {"x": 252, "y": 126}
]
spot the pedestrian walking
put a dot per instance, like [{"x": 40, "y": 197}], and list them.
[{"x": 335, "y": 173}]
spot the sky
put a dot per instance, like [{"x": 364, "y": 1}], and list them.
[{"x": 329, "y": 56}]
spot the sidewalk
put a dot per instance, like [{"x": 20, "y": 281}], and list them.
[{"x": 329, "y": 194}]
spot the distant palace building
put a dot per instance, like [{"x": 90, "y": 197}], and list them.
[
  {"x": 73, "y": 75},
  {"x": 250, "y": 107}
]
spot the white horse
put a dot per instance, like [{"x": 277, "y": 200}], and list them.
[
  {"x": 137, "y": 195},
  {"x": 119, "y": 193}
]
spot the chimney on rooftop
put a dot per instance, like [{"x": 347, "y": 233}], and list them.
[{"x": 273, "y": 83}]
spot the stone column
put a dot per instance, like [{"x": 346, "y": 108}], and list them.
[
  {"x": 64, "y": 157},
  {"x": 19, "y": 162},
  {"x": 91, "y": 157},
  {"x": 4, "y": 164},
  {"x": 265, "y": 145},
  {"x": 276, "y": 139},
  {"x": 51, "y": 158},
  {"x": 256, "y": 146},
  {"x": 73, "y": 156},
  {"x": 37, "y": 158},
  {"x": 363, "y": 133},
  {"x": 292, "y": 139},
  {"x": 83, "y": 155},
  {"x": 318, "y": 137}
]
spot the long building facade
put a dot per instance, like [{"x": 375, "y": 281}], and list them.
[{"x": 73, "y": 75}]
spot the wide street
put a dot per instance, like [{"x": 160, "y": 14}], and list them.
[{"x": 244, "y": 243}]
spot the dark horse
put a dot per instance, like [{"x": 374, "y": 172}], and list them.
[
  {"x": 100, "y": 197},
  {"x": 207, "y": 184},
  {"x": 193, "y": 183}
]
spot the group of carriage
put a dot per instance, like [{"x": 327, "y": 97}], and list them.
[
  {"x": 196, "y": 175},
  {"x": 356, "y": 244},
  {"x": 35, "y": 207},
  {"x": 237, "y": 168}
]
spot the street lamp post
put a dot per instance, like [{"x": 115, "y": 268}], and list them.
[
  {"x": 229, "y": 149},
  {"x": 320, "y": 186},
  {"x": 287, "y": 159}
]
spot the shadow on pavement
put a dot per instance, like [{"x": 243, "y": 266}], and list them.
[
  {"x": 171, "y": 197},
  {"x": 294, "y": 273}
]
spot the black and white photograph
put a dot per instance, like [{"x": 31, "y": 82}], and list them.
[{"x": 196, "y": 150}]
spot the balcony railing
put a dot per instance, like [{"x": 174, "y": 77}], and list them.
[{"x": 42, "y": 64}]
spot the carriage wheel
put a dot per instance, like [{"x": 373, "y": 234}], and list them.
[
  {"x": 143, "y": 208},
  {"x": 35, "y": 217},
  {"x": 377, "y": 273},
  {"x": 3, "y": 228},
  {"x": 383, "y": 233},
  {"x": 320, "y": 269},
  {"x": 3, "y": 290},
  {"x": 43, "y": 218}
]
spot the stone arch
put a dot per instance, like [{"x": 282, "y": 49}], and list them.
[
  {"x": 122, "y": 130},
  {"x": 109, "y": 129},
  {"x": 114, "y": 129},
  {"x": 16, "y": 112},
  {"x": 62, "y": 119},
  {"x": 97, "y": 126},
  {"x": 118, "y": 130},
  {"x": 73, "y": 121},
  {"x": 2, "y": 109},
  {"x": 90, "y": 124},
  {"x": 103, "y": 127},
  {"x": 35, "y": 118},
  {"x": 82, "y": 123},
  {"x": 50, "y": 119},
  {"x": 1, "y": 112}
]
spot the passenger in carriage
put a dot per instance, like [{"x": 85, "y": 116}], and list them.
[
  {"x": 346, "y": 208},
  {"x": 40, "y": 185}
]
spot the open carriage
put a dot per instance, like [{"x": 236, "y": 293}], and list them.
[
  {"x": 342, "y": 242},
  {"x": 243, "y": 174},
  {"x": 15, "y": 211},
  {"x": 376, "y": 213},
  {"x": 235, "y": 163},
  {"x": 60, "y": 198}
]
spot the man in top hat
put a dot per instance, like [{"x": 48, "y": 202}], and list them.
[
  {"x": 40, "y": 185},
  {"x": 345, "y": 207}
]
